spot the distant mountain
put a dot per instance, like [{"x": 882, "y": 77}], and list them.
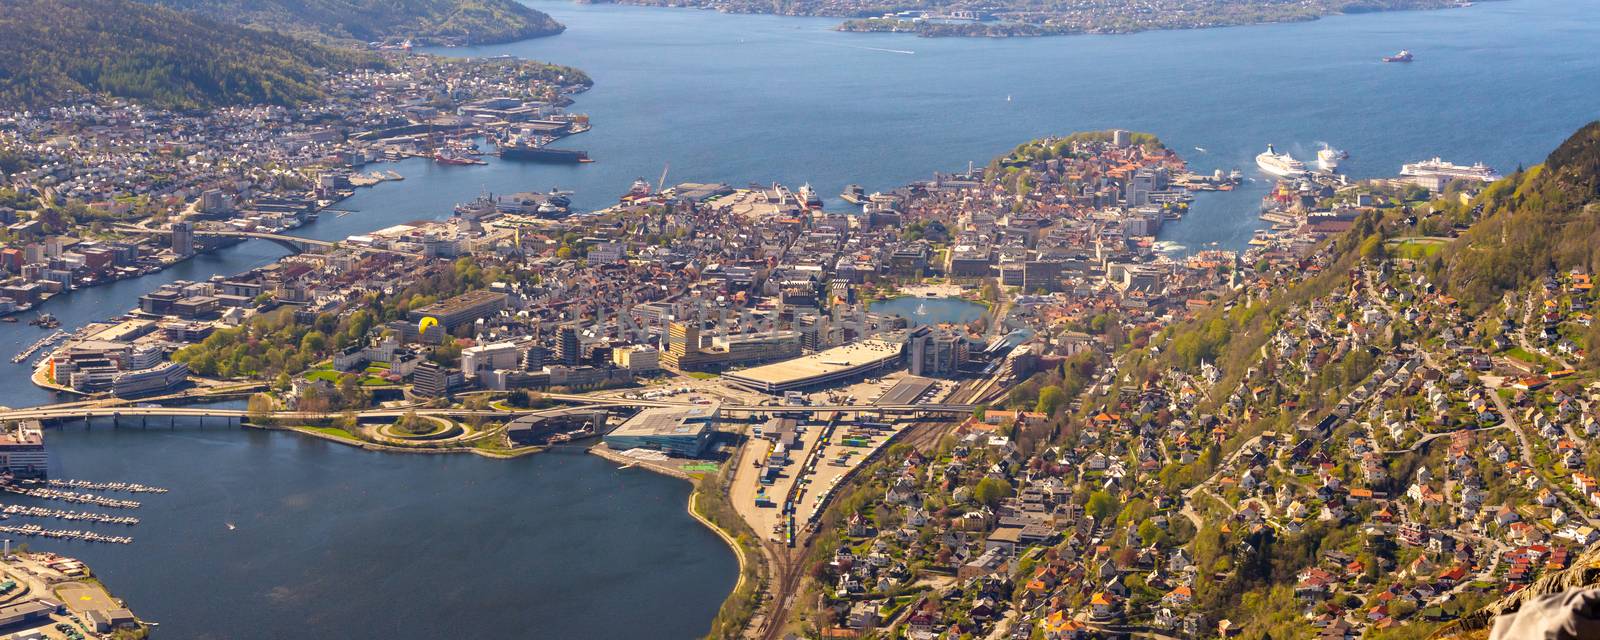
[
  {"x": 470, "y": 21},
  {"x": 52, "y": 49}
]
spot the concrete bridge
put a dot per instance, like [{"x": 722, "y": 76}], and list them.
[
  {"x": 296, "y": 244},
  {"x": 56, "y": 413}
]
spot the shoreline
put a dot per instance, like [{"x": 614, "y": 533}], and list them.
[{"x": 376, "y": 447}]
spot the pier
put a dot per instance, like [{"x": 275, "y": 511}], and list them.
[
  {"x": 68, "y": 534},
  {"x": 71, "y": 496},
  {"x": 85, "y": 516},
  {"x": 125, "y": 487}
]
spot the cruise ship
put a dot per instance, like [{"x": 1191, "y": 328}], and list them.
[
  {"x": 1280, "y": 164},
  {"x": 1438, "y": 168}
]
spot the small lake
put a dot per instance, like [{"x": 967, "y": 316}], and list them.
[{"x": 921, "y": 311}]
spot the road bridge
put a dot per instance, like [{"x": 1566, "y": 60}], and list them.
[
  {"x": 60, "y": 413},
  {"x": 297, "y": 244}
]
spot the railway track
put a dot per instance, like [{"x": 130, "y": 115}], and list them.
[{"x": 788, "y": 564}]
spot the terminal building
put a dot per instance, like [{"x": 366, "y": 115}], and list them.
[
  {"x": 833, "y": 365},
  {"x": 679, "y": 431}
]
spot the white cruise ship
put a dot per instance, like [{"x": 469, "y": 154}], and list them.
[
  {"x": 1280, "y": 164},
  {"x": 1437, "y": 168}
]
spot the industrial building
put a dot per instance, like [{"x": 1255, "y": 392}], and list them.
[{"x": 679, "y": 431}]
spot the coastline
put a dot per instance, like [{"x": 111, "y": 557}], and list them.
[{"x": 509, "y": 454}]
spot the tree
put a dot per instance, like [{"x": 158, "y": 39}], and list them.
[
  {"x": 1102, "y": 506},
  {"x": 990, "y": 491},
  {"x": 260, "y": 408},
  {"x": 1050, "y": 399}
]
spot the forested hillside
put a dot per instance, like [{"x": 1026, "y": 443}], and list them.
[
  {"x": 51, "y": 49},
  {"x": 472, "y": 21},
  {"x": 1536, "y": 221}
]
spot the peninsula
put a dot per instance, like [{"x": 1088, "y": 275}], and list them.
[{"x": 1009, "y": 18}]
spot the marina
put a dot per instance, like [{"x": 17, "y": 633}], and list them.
[
  {"x": 125, "y": 487},
  {"x": 23, "y": 355},
  {"x": 66, "y": 534},
  {"x": 14, "y": 510},
  {"x": 71, "y": 496}
]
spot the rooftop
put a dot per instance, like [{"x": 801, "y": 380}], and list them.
[
  {"x": 668, "y": 421},
  {"x": 823, "y": 363}
]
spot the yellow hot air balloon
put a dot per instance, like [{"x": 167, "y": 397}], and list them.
[{"x": 427, "y": 321}]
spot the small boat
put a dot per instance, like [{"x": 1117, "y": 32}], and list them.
[{"x": 1403, "y": 56}]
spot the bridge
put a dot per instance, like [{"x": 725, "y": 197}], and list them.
[
  {"x": 57, "y": 413},
  {"x": 297, "y": 244}
]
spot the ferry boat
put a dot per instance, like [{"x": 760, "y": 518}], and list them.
[
  {"x": 1282, "y": 165},
  {"x": 1328, "y": 159},
  {"x": 537, "y": 150},
  {"x": 1403, "y": 56},
  {"x": 853, "y": 194}
]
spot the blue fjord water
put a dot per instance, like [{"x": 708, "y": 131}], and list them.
[{"x": 331, "y": 542}]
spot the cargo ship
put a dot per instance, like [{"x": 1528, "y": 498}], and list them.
[
  {"x": 854, "y": 194},
  {"x": 538, "y": 151},
  {"x": 1403, "y": 56}
]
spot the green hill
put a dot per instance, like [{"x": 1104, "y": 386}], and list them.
[
  {"x": 53, "y": 49},
  {"x": 472, "y": 21},
  {"x": 1543, "y": 219}
]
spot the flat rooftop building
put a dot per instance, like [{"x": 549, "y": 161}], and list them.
[
  {"x": 838, "y": 363},
  {"x": 462, "y": 309},
  {"x": 680, "y": 431}
]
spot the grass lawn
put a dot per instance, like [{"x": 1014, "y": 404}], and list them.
[
  {"x": 701, "y": 375},
  {"x": 1418, "y": 248},
  {"x": 335, "y": 432},
  {"x": 327, "y": 375}
]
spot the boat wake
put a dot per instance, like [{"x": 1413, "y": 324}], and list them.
[{"x": 905, "y": 52}]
